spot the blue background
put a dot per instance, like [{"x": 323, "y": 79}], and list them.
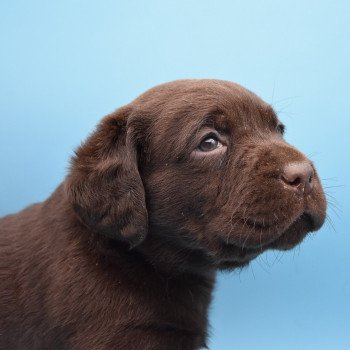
[{"x": 63, "y": 65}]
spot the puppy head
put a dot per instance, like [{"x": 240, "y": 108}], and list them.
[{"x": 208, "y": 160}]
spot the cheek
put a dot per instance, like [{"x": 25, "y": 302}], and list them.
[{"x": 181, "y": 197}]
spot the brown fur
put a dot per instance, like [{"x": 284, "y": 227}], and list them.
[{"x": 124, "y": 253}]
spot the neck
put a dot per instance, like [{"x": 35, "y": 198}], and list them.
[
  {"x": 175, "y": 282},
  {"x": 175, "y": 258}
]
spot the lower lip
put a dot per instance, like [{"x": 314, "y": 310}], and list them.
[{"x": 243, "y": 254}]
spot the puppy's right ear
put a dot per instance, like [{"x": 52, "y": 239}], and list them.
[{"x": 104, "y": 185}]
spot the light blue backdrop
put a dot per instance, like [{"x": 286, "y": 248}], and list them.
[{"x": 65, "y": 64}]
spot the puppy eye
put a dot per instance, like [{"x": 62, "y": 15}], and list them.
[
  {"x": 280, "y": 128},
  {"x": 210, "y": 143}
]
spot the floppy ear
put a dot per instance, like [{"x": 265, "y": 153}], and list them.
[{"x": 104, "y": 185}]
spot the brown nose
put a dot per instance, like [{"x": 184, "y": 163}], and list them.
[{"x": 299, "y": 177}]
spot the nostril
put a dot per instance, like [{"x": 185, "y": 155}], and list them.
[
  {"x": 295, "y": 182},
  {"x": 299, "y": 176}
]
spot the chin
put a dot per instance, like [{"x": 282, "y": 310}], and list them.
[{"x": 231, "y": 256}]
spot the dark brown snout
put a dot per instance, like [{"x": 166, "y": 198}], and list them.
[{"x": 298, "y": 176}]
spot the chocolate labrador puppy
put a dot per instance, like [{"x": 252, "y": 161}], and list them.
[{"x": 192, "y": 177}]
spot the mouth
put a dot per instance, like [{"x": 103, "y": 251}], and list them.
[
  {"x": 239, "y": 255},
  {"x": 307, "y": 222},
  {"x": 233, "y": 256},
  {"x": 257, "y": 224},
  {"x": 296, "y": 232}
]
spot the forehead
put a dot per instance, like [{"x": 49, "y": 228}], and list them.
[{"x": 179, "y": 108}]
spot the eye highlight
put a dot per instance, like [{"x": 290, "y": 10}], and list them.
[{"x": 209, "y": 143}]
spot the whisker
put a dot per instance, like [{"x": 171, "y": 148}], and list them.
[
  {"x": 329, "y": 179},
  {"x": 267, "y": 261},
  {"x": 251, "y": 267},
  {"x": 335, "y": 209},
  {"x": 330, "y": 222},
  {"x": 281, "y": 256},
  {"x": 278, "y": 257},
  {"x": 287, "y": 99},
  {"x": 331, "y": 197},
  {"x": 334, "y": 186},
  {"x": 313, "y": 154},
  {"x": 263, "y": 268}
]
